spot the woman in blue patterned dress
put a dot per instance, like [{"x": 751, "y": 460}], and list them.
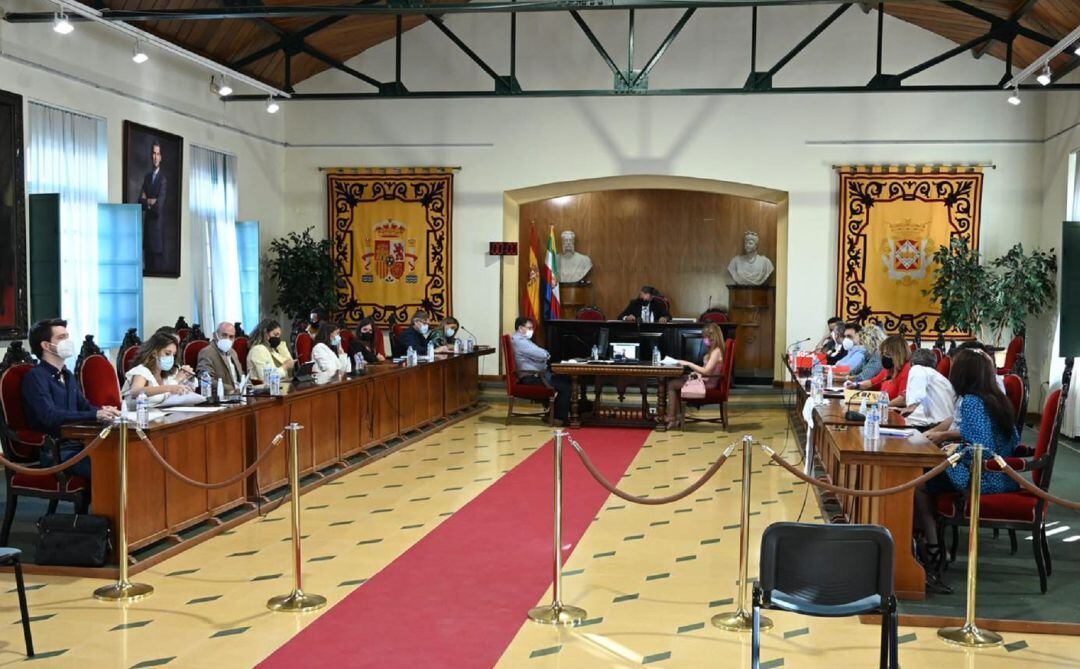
[{"x": 984, "y": 416}]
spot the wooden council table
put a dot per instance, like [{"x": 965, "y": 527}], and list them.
[
  {"x": 582, "y": 373},
  {"x": 342, "y": 419}
]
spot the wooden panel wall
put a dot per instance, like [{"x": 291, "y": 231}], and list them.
[{"x": 679, "y": 241}]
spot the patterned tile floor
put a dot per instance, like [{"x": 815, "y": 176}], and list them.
[{"x": 650, "y": 577}]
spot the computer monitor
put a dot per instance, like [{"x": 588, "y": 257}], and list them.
[{"x": 625, "y": 350}]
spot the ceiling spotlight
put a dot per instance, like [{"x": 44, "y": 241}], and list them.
[
  {"x": 272, "y": 106},
  {"x": 139, "y": 55},
  {"x": 1044, "y": 76},
  {"x": 224, "y": 89},
  {"x": 61, "y": 23},
  {"x": 1014, "y": 99},
  {"x": 1076, "y": 49}
]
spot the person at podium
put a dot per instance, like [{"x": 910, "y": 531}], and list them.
[{"x": 647, "y": 307}]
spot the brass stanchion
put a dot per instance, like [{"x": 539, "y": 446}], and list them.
[
  {"x": 970, "y": 635},
  {"x": 123, "y": 590},
  {"x": 296, "y": 601},
  {"x": 740, "y": 619},
  {"x": 558, "y": 613}
]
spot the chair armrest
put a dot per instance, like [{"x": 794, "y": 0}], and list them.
[
  {"x": 1022, "y": 451},
  {"x": 1018, "y": 464}
]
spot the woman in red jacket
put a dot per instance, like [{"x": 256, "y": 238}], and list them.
[{"x": 895, "y": 363}]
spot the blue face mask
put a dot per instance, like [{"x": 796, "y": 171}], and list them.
[
  {"x": 165, "y": 363},
  {"x": 336, "y": 341}
]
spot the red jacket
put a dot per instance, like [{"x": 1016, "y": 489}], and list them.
[{"x": 895, "y": 386}]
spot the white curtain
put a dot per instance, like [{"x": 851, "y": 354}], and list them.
[
  {"x": 215, "y": 254},
  {"x": 68, "y": 155},
  {"x": 1070, "y": 425}
]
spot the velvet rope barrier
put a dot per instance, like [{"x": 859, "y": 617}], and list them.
[
  {"x": 607, "y": 485},
  {"x": 199, "y": 484},
  {"x": 66, "y": 464},
  {"x": 884, "y": 492},
  {"x": 1034, "y": 489}
]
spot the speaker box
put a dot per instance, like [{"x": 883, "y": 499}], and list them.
[{"x": 1070, "y": 289}]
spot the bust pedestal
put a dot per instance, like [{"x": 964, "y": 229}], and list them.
[
  {"x": 754, "y": 309},
  {"x": 574, "y": 296}
]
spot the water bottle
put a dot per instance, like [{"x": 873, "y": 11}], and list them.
[
  {"x": 359, "y": 364},
  {"x": 830, "y": 381},
  {"x": 656, "y": 355},
  {"x": 410, "y": 357},
  {"x": 873, "y": 424},
  {"x": 204, "y": 384},
  {"x": 595, "y": 352},
  {"x": 459, "y": 346},
  {"x": 430, "y": 351},
  {"x": 817, "y": 393},
  {"x": 267, "y": 370},
  {"x": 862, "y": 405},
  {"x": 883, "y": 407},
  {"x": 470, "y": 345},
  {"x": 142, "y": 411},
  {"x": 275, "y": 382}
]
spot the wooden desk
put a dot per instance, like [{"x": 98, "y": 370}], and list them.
[
  {"x": 341, "y": 419},
  {"x": 581, "y": 374},
  {"x": 681, "y": 340}
]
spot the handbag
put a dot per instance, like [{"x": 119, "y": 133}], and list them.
[
  {"x": 73, "y": 540},
  {"x": 694, "y": 388}
]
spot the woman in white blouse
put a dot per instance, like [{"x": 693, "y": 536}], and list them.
[
  {"x": 155, "y": 373},
  {"x": 328, "y": 356}
]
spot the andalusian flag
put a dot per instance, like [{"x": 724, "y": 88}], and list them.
[
  {"x": 532, "y": 286},
  {"x": 551, "y": 278}
]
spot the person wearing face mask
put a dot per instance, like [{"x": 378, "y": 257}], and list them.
[
  {"x": 220, "y": 361},
  {"x": 268, "y": 350},
  {"x": 329, "y": 358},
  {"x": 51, "y": 395},
  {"x": 895, "y": 363},
  {"x": 711, "y": 366},
  {"x": 155, "y": 373},
  {"x": 854, "y": 351},
  {"x": 531, "y": 362},
  {"x": 364, "y": 343},
  {"x": 416, "y": 336},
  {"x": 316, "y": 317},
  {"x": 445, "y": 335}
]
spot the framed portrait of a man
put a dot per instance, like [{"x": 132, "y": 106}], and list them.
[
  {"x": 13, "y": 293},
  {"x": 153, "y": 169}
]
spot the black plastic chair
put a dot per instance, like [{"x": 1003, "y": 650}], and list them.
[
  {"x": 828, "y": 571},
  {"x": 9, "y": 557}
]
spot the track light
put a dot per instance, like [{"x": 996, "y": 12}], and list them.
[
  {"x": 139, "y": 55},
  {"x": 1076, "y": 49},
  {"x": 1014, "y": 99},
  {"x": 272, "y": 106},
  {"x": 1044, "y": 76},
  {"x": 61, "y": 23},
  {"x": 224, "y": 89}
]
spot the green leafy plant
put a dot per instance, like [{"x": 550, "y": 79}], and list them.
[
  {"x": 961, "y": 286},
  {"x": 303, "y": 273},
  {"x": 1022, "y": 287}
]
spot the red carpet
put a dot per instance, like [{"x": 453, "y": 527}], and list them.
[{"x": 458, "y": 597}]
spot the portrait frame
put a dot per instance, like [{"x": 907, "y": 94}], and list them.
[
  {"x": 14, "y": 297},
  {"x": 161, "y": 224}
]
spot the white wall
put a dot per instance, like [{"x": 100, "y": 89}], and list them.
[
  {"x": 91, "y": 71},
  {"x": 784, "y": 142}
]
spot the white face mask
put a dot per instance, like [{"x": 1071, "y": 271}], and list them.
[
  {"x": 66, "y": 348},
  {"x": 450, "y": 332},
  {"x": 529, "y": 333},
  {"x": 224, "y": 345},
  {"x": 423, "y": 328},
  {"x": 849, "y": 343}
]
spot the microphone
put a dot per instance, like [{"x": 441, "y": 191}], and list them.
[
  {"x": 797, "y": 343},
  {"x": 710, "y": 304}
]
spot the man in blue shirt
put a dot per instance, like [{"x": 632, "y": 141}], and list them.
[
  {"x": 531, "y": 361},
  {"x": 52, "y": 397},
  {"x": 855, "y": 353},
  {"x": 416, "y": 335}
]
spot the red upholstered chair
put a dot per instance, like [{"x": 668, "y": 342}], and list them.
[
  {"x": 127, "y": 361},
  {"x": 1014, "y": 390},
  {"x": 347, "y": 337},
  {"x": 183, "y": 333},
  {"x": 939, "y": 355},
  {"x": 304, "y": 344},
  {"x": 722, "y": 392},
  {"x": 99, "y": 383},
  {"x": 1012, "y": 352},
  {"x": 590, "y": 314},
  {"x": 380, "y": 342},
  {"x": 521, "y": 391},
  {"x": 241, "y": 348},
  {"x": 23, "y": 445},
  {"x": 714, "y": 317},
  {"x": 666, "y": 301},
  {"x": 1020, "y": 510},
  {"x": 944, "y": 366},
  {"x": 191, "y": 352}
]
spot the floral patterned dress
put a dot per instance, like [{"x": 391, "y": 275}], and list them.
[{"x": 976, "y": 426}]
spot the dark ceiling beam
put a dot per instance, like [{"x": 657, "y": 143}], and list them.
[
  {"x": 997, "y": 22},
  {"x": 941, "y": 58},
  {"x": 339, "y": 66},
  {"x": 659, "y": 53},
  {"x": 1013, "y": 18},
  {"x": 463, "y": 46},
  {"x": 600, "y": 48},
  {"x": 425, "y": 7},
  {"x": 302, "y": 34},
  {"x": 808, "y": 39}
]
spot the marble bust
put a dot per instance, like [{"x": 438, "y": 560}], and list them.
[
  {"x": 750, "y": 268},
  {"x": 573, "y": 266}
]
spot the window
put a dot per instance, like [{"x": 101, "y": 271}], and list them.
[
  {"x": 119, "y": 272},
  {"x": 247, "y": 244},
  {"x": 214, "y": 238}
]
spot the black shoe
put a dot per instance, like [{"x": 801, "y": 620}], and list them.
[{"x": 935, "y": 585}]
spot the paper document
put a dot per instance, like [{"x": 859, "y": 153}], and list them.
[
  {"x": 195, "y": 409},
  {"x": 132, "y": 417},
  {"x": 668, "y": 360},
  {"x": 174, "y": 400},
  {"x": 897, "y": 432}
]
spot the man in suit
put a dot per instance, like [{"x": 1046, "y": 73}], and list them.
[
  {"x": 220, "y": 360},
  {"x": 416, "y": 336},
  {"x": 153, "y": 197},
  {"x": 647, "y": 307}
]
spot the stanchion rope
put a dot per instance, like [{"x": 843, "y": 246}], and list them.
[
  {"x": 199, "y": 484},
  {"x": 66, "y": 464},
  {"x": 884, "y": 492},
  {"x": 1034, "y": 489},
  {"x": 607, "y": 485}
]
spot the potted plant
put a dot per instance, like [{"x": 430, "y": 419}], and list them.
[
  {"x": 1022, "y": 287},
  {"x": 961, "y": 287},
  {"x": 303, "y": 273}
]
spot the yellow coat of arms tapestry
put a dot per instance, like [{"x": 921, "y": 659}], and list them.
[
  {"x": 892, "y": 220},
  {"x": 390, "y": 236}
]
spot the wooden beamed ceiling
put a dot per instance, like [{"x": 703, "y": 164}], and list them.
[{"x": 318, "y": 43}]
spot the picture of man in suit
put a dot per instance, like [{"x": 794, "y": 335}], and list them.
[{"x": 153, "y": 197}]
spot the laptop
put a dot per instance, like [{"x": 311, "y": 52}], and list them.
[{"x": 628, "y": 351}]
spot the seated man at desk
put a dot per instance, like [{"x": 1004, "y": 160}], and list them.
[
  {"x": 220, "y": 361},
  {"x": 854, "y": 352},
  {"x": 828, "y": 343},
  {"x": 646, "y": 307},
  {"x": 531, "y": 363},
  {"x": 51, "y": 395},
  {"x": 929, "y": 396},
  {"x": 416, "y": 336}
]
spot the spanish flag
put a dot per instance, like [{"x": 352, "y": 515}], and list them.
[
  {"x": 551, "y": 278},
  {"x": 532, "y": 286}
]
